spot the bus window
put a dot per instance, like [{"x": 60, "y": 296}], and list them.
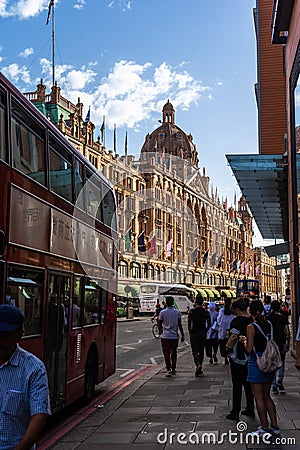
[
  {"x": 60, "y": 171},
  {"x": 104, "y": 303},
  {"x": 3, "y": 136},
  {"x": 79, "y": 193},
  {"x": 93, "y": 195},
  {"x": 28, "y": 144},
  {"x": 109, "y": 216},
  {"x": 25, "y": 290},
  {"x": 91, "y": 303},
  {"x": 76, "y": 302}
]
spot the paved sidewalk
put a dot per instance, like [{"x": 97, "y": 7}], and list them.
[{"x": 159, "y": 406}]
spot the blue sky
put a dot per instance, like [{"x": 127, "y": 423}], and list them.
[{"x": 125, "y": 59}]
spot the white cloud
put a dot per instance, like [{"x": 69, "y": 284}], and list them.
[
  {"x": 130, "y": 94},
  {"x": 79, "y": 4},
  {"x": 78, "y": 79},
  {"x": 24, "y": 9},
  {"x": 16, "y": 73},
  {"x": 27, "y": 52},
  {"x": 124, "y": 4}
]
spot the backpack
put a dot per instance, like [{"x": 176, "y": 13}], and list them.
[{"x": 270, "y": 360}]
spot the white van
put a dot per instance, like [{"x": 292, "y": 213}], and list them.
[{"x": 153, "y": 293}]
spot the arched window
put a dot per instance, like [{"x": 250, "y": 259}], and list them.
[
  {"x": 151, "y": 272},
  {"x": 170, "y": 275},
  {"x": 123, "y": 269},
  {"x": 189, "y": 277},
  {"x": 178, "y": 276},
  {"x": 196, "y": 278},
  {"x": 135, "y": 270},
  {"x": 144, "y": 271},
  {"x": 163, "y": 274},
  {"x": 157, "y": 273}
]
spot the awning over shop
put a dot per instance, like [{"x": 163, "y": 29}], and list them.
[
  {"x": 263, "y": 182},
  {"x": 202, "y": 292},
  {"x": 210, "y": 293},
  {"x": 216, "y": 293},
  {"x": 226, "y": 293}
]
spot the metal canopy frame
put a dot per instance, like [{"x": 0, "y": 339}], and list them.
[{"x": 263, "y": 182}]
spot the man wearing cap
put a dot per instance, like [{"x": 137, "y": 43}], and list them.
[{"x": 24, "y": 396}]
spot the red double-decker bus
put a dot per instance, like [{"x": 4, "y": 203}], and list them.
[{"x": 58, "y": 235}]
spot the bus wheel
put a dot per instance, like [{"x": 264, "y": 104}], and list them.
[{"x": 90, "y": 376}]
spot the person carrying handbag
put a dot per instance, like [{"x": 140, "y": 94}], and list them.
[
  {"x": 224, "y": 319},
  {"x": 212, "y": 344},
  {"x": 255, "y": 344}
]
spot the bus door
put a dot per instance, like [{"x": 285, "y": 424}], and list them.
[{"x": 56, "y": 333}]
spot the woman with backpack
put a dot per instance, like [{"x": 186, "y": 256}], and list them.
[
  {"x": 255, "y": 344},
  {"x": 239, "y": 360}
]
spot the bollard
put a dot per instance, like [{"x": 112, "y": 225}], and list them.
[{"x": 130, "y": 312}]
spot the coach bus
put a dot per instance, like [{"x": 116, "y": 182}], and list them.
[
  {"x": 153, "y": 293},
  {"x": 247, "y": 286},
  {"x": 58, "y": 235}
]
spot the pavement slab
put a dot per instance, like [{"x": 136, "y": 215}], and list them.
[{"x": 186, "y": 406}]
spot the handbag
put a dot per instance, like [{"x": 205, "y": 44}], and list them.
[{"x": 270, "y": 360}]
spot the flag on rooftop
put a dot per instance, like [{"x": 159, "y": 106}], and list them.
[
  {"x": 51, "y": 5},
  {"x": 168, "y": 163},
  {"x": 102, "y": 129},
  {"x": 234, "y": 265},
  {"x": 88, "y": 116},
  {"x": 125, "y": 150}
]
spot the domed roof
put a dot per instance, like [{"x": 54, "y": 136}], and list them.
[
  {"x": 169, "y": 139},
  {"x": 168, "y": 107}
]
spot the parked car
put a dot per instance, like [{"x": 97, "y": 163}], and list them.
[{"x": 121, "y": 309}]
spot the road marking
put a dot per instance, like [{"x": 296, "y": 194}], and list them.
[
  {"x": 153, "y": 361},
  {"x": 127, "y": 372}
]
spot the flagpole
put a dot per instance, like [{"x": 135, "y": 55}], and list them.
[
  {"x": 115, "y": 140},
  {"x": 53, "y": 60}
]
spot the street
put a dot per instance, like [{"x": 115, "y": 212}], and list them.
[{"x": 136, "y": 346}]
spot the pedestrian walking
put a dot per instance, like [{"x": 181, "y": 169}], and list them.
[
  {"x": 255, "y": 344},
  {"x": 169, "y": 322},
  {"x": 239, "y": 360},
  {"x": 267, "y": 305},
  {"x": 212, "y": 343},
  {"x": 281, "y": 335},
  {"x": 198, "y": 324},
  {"x": 224, "y": 319},
  {"x": 24, "y": 396}
]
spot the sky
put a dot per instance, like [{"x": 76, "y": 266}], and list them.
[{"x": 126, "y": 58}]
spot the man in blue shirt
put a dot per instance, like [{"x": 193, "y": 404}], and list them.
[
  {"x": 24, "y": 396},
  {"x": 169, "y": 322}
]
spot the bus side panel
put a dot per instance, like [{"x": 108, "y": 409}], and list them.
[{"x": 148, "y": 305}]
